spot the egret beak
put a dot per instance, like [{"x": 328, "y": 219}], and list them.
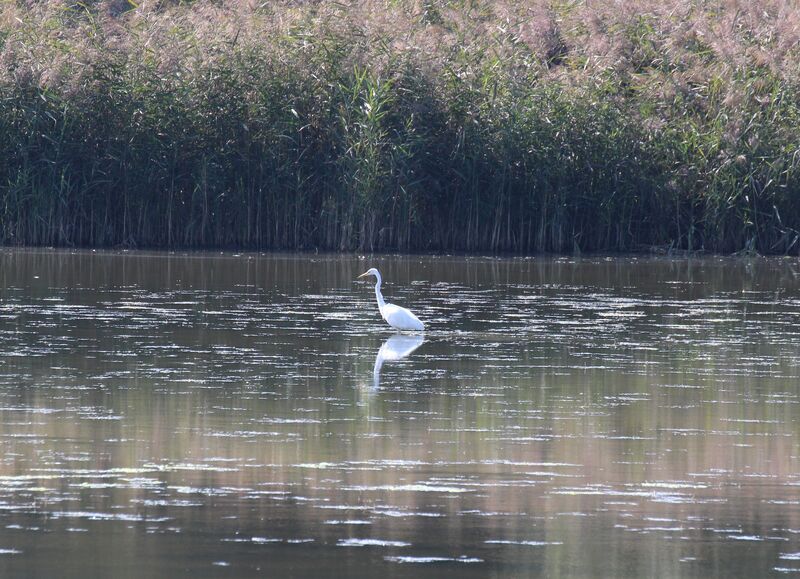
[{"x": 365, "y": 274}]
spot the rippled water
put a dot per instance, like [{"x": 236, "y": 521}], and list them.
[{"x": 210, "y": 415}]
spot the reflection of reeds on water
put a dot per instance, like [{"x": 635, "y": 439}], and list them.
[
  {"x": 178, "y": 386},
  {"x": 671, "y": 453}
]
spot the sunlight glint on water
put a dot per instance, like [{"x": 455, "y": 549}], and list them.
[{"x": 167, "y": 415}]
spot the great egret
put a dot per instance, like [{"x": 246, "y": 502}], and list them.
[
  {"x": 397, "y": 317},
  {"x": 395, "y": 348}
]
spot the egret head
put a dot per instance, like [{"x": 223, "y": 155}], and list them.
[{"x": 370, "y": 271}]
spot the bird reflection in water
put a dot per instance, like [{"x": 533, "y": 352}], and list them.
[{"x": 395, "y": 348}]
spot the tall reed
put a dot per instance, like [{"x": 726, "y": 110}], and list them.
[{"x": 527, "y": 127}]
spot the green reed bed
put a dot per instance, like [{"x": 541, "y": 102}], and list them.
[{"x": 526, "y": 127}]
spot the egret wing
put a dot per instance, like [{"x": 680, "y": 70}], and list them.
[{"x": 401, "y": 318}]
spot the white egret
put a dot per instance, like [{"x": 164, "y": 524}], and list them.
[
  {"x": 397, "y": 317},
  {"x": 395, "y": 348}
]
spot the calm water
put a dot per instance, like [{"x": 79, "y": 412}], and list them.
[{"x": 252, "y": 416}]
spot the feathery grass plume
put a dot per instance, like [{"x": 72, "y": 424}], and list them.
[{"x": 529, "y": 126}]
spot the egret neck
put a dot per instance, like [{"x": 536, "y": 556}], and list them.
[{"x": 378, "y": 294}]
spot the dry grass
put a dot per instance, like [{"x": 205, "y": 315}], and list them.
[{"x": 488, "y": 126}]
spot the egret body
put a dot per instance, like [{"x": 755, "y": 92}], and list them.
[{"x": 397, "y": 317}]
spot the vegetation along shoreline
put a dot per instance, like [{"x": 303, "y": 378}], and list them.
[{"x": 514, "y": 127}]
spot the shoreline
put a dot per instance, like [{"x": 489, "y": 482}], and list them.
[{"x": 360, "y": 255}]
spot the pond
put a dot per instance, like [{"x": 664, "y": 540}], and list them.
[{"x": 225, "y": 415}]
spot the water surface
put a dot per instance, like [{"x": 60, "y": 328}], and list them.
[{"x": 221, "y": 415}]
